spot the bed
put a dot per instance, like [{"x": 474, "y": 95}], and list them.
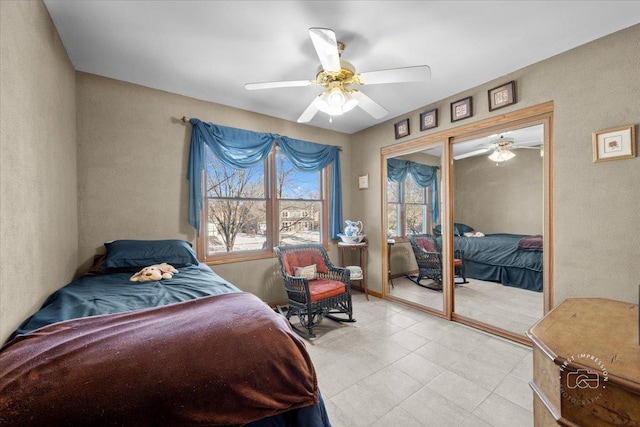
[
  {"x": 503, "y": 258},
  {"x": 190, "y": 350}
]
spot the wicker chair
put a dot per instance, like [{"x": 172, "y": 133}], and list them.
[
  {"x": 429, "y": 259},
  {"x": 323, "y": 294}
]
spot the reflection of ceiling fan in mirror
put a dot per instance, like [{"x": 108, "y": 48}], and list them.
[
  {"x": 501, "y": 149},
  {"x": 338, "y": 75}
]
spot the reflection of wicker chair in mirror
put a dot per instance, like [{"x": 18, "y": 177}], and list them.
[
  {"x": 429, "y": 259},
  {"x": 314, "y": 293}
]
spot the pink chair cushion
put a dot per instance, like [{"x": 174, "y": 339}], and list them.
[{"x": 324, "y": 288}]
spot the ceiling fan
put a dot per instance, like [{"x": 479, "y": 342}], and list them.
[
  {"x": 338, "y": 76},
  {"x": 501, "y": 148}
]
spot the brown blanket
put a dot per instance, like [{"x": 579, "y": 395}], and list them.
[
  {"x": 531, "y": 243},
  {"x": 220, "y": 360}
]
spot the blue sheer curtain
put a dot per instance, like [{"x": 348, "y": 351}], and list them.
[
  {"x": 423, "y": 175},
  {"x": 241, "y": 149}
]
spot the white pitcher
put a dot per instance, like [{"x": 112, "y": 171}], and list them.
[{"x": 353, "y": 228}]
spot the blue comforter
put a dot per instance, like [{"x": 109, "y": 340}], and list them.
[
  {"x": 496, "y": 257},
  {"x": 93, "y": 295}
]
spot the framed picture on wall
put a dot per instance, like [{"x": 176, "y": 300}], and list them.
[
  {"x": 461, "y": 109},
  {"x": 363, "y": 182},
  {"x": 502, "y": 95},
  {"x": 429, "y": 119},
  {"x": 402, "y": 128},
  {"x": 614, "y": 144}
]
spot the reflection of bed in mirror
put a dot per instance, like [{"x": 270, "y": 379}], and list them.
[{"x": 510, "y": 259}]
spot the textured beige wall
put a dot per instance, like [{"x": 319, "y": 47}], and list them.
[
  {"x": 503, "y": 199},
  {"x": 132, "y": 155},
  {"x": 38, "y": 208},
  {"x": 595, "y": 86}
]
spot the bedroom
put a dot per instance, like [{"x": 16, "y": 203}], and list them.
[{"x": 79, "y": 144}]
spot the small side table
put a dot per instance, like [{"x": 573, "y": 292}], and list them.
[{"x": 362, "y": 248}]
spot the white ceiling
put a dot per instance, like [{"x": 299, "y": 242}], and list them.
[{"x": 210, "y": 49}]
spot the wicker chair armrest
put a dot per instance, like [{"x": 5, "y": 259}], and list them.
[
  {"x": 429, "y": 259},
  {"x": 295, "y": 283},
  {"x": 428, "y": 255},
  {"x": 340, "y": 274}
]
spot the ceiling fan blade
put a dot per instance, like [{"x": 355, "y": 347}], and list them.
[
  {"x": 418, "y": 73},
  {"x": 274, "y": 85},
  {"x": 369, "y": 105},
  {"x": 309, "y": 113},
  {"x": 471, "y": 153},
  {"x": 326, "y": 45},
  {"x": 531, "y": 147}
]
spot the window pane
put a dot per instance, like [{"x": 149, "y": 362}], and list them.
[
  {"x": 236, "y": 225},
  {"x": 224, "y": 181},
  {"x": 294, "y": 184},
  {"x": 299, "y": 222},
  {"x": 393, "y": 192},
  {"x": 393, "y": 220},
  {"x": 416, "y": 219},
  {"x": 413, "y": 193}
]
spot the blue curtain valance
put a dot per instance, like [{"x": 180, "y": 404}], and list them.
[
  {"x": 241, "y": 149},
  {"x": 423, "y": 175}
]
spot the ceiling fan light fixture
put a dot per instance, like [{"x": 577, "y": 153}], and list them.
[
  {"x": 336, "y": 101},
  {"x": 501, "y": 154},
  {"x": 335, "y": 97}
]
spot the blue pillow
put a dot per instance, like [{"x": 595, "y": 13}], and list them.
[
  {"x": 464, "y": 228},
  {"x": 134, "y": 254},
  {"x": 437, "y": 231}
]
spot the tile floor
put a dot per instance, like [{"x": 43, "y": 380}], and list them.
[
  {"x": 397, "y": 366},
  {"x": 506, "y": 307}
]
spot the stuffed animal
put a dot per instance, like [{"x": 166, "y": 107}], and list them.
[{"x": 154, "y": 272}]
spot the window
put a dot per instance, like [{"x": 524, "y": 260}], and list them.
[
  {"x": 248, "y": 211},
  {"x": 408, "y": 208}
]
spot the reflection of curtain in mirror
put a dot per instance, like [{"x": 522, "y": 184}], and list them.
[{"x": 423, "y": 175}]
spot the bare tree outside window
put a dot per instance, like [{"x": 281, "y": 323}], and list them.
[{"x": 236, "y": 206}]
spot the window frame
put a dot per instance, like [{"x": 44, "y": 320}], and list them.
[
  {"x": 401, "y": 209},
  {"x": 272, "y": 217}
]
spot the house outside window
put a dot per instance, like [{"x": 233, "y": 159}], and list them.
[{"x": 249, "y": 211}]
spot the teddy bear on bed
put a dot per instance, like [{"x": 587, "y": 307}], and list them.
[{"x": 154, "y": 272}]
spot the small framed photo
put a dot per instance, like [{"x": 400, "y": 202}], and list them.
[
  {"x": 363, "y": 182},
  {"x": 502, "y": 95},
  {"x": 614, "y": 144},
  {"x": 461, "y": 109},
  {"x": 429, "y": 119},
  {"x": 402, "y": 128}
]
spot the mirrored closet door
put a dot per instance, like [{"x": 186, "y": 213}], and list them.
[
  {"x": 498, "y": 199},
  {"x": 414, "y": 207},
  {"x": 474, "y": 244}
]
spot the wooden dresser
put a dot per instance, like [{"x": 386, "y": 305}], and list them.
[{"x": 586, "y": 364}]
